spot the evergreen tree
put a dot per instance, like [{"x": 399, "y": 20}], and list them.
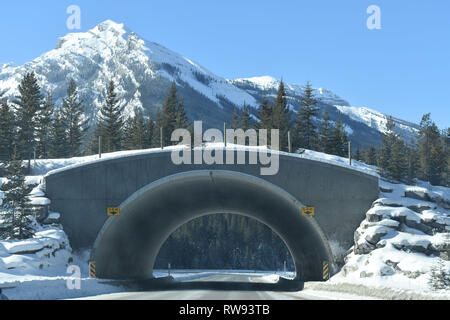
[
  {"x": 370, "y": 156},
  {"x": 265, "y": 115},
  {"x": 6, "y": 131},
  {"x": 398, "y": 164},
  {"x": 128, "y": 139},
  {"x": 339, "y": 139},
  {"x": 281, "y": 117},
  {"x": 431, "y": 149},
  {"x": 169, "y": 114},
  {"x": 235, "y": 123},
  {"x": 438, "y": 162},
  {"x": 134, "y": 132},
  {"x": 16, "y": 204},
  {"x": 362, "y": 154},
  {"x": 110, "y": 121},
  {"x": 58, "y": 137},
  {"x": 72, "y": 112},
  {"x": 439, "y": 276},
  {"x": 357, "y": 155},
  {"x": 26, "y": 106},
  {"x": 158, "y": 126},
  {"x": 43, "y": 128},
  {"x": 306, "y": 131},
  {"x": 181, "y": 119},
  {"x": 325, "y": 137},
  {"x": 413, "y": 163},
  {"x": 385, "y": 154},
  {"x": 245, "y": 119},
  {"x": 150, "y": 133}
]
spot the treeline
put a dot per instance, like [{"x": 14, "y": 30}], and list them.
[
  {"x": 327, "y": 136},
  {"x": 31, "y": 126},
  {"x": 224, "y": 241},
  {"x": 427, "y": 157}
]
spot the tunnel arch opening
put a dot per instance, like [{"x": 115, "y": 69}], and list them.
[
  {"x": 225, "y": 241},
  {"x": 127, "y": 245}
]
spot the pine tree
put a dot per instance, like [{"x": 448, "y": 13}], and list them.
[
  {"x": 43, "y": 128},
  {"x": 6, "y": 131},
  {"x": 72, "y": 112},
  {"x": 362, "y": 153},
  {"x": 169, "y": 114},
  {"x": 281, "y": 117},
  {"x": 181, "y": 119},
  {"x": 439, "y": 277},
  {"x": 128, "y": 139},
  {"x": 134, "y": 132},
  {"x": 265, "y": 115},
  {"x": 385, "y": 152},
  {"x": 438, "y": 162},
  {"x": 413, "y": 163},
  {"x": 158, "y": 126},
  {"x": 325, "y": 139},
  {"x": 370, "y": 156},
  {"x": 305, "y": 130},
  {"x": 58, "y": 137},
  {"x": 398, "y": 164},
  {"x": 110, "y": 121},
  {"x": 16, "y": 204},
  {"x": 245, "y": 119},
  {"x": 235, "y": 123},
  {"x": 150, "y": 133},
  {"x": 357, "y": 155},
  {"x": 339, "y": 139},
  {"x": 27, "y": 105},
  {"x": 432, "y": 154}
]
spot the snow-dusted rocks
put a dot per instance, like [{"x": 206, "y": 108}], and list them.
[
  {"x": 49, "y": 246},
  {"x": 52, "y": 218},
  {"x": 403, "y": 236}
]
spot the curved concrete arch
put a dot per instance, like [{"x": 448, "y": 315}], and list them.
[{"x": 127, "y": 245}]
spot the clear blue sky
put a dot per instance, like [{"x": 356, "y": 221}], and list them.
[{"x": 402, "y": 69}]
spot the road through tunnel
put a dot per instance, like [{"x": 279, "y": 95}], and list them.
[{"x": 127, "y": 245}]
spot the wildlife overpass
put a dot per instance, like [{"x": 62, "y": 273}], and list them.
[{"x": 156, "y": 197}]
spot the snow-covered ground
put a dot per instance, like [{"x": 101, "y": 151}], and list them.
[
  {"x": 405, "y": 234},
  {"x": 397, "y": 244}
]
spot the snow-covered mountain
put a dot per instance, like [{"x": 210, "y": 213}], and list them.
[
  {"x": 143, "y": 71},
  {"x": 358, "y": 121}
]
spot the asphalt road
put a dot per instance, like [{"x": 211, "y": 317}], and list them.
[{"x": 210, "y": 288}]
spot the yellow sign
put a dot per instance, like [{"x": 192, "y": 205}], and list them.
[
  {"x": 113, "y": 212},
  {"x": 92, "y": 269},
  {"x": 326, "y": 273},
  {"x": 308, "y": 211}
]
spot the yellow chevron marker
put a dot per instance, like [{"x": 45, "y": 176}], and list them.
[
  {"x": 308, "y": 211},
  {"x": 326, "y": 274},
  {"x": 113, "y": 211},
  {"x": 92, "y": 269}
]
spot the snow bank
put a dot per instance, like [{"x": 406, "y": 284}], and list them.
[
  {"x": 49, "y": 247},
  {"x": 53, "y": 166}
]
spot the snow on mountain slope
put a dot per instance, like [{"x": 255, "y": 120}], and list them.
[
  {"x": 143, "y": 70},
  {"x": 111, "y": 51},
  {"x": 378, "y": 121},
  {"x": 269, "y": 85}
]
